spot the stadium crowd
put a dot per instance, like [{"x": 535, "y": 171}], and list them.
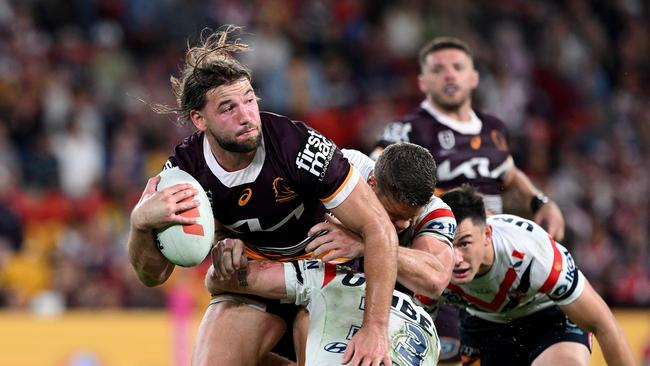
[{"x": 78, "y": 138}]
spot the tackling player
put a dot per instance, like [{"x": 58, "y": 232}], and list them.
[
  {"x": 269, "y": 179},
  {"x": 334, "y": 297},
  {"x": 403, "y": 178},
  {"x": 525, "y": 300}
]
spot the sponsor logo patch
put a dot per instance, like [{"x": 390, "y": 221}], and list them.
[
  {"x": 335, "y": 347},
  {"x": 397, "y": 132},
  {"x": 245, "y": 197},
  {"x": 316, "y": 154}
]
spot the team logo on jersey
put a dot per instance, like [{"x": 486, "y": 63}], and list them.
[
  {"x": 411, "y": 345},
  {"x": 475, "y": 142},
  {"x": 446, "y": 139},
  {"x": 316, "y": 154},
  {"x": 499, "y": 140},
  {"x": 245, "y": 197},
  {"x": 283, "y": 193}
]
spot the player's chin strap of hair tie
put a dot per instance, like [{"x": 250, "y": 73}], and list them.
[{"x": 538, "y": 200}]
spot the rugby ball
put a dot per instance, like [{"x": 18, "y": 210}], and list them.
[{"x": 186, "y": 245}]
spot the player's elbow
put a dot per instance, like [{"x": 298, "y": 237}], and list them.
[
  {"x": 389, "y": 235},
  {"x": 437, "y": 286},
  {"x": 437, "y": 282},
  {"x": 151, "y": 279}
]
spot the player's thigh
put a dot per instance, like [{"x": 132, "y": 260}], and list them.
[
  {"x": 235, "y": 333},
  {"x": 564, "y": 354}
]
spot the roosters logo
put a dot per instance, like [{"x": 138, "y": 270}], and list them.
[{"x": 283, "y": 193}]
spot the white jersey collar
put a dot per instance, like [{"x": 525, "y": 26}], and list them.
[
  {"x": 472, "y": 127},
  {"x": 239, "y": 177}
]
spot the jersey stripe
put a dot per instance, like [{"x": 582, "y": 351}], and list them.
[
  {"x": 340, "y": 188},
  {"x": 253, "y": 254},
  {"x": 499, "y": 298},
  {"x": 440, "y": 212},
  {"x": 330, "y": 273},
  {"x": 556, "y": 269}
]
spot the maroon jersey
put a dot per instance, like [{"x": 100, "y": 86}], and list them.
[
  {"x": 297, "y": 174},
  {"x": 474, "y": 152}
]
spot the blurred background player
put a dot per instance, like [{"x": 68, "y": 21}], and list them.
[
  {"x": 268, "y": 182},
  {"x": 525, "y": 301},
  {"x": 334, "y": 297},
  {"x": 468, "y": 146}
]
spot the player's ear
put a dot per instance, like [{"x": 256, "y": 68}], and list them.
[
  {"x": 475, "y": 79},
  {"x": 488, "y": 234},
  {"x": 421, "y": 85},
  {"x": 198, "y": 120},
  {"x": 372, "y": 181}
]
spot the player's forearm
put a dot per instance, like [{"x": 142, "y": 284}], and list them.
[
  {"x": 380, "y": 267},
  {"x": 262, "y": 278},
  {"x": 615, "y": 349},
  {"x": 615, "y": 352},
  {"x": 422, "y": 272},
  {"x": 611, "y": 339},
  {"x": 518, "y": 182},
  {"x": 150, "y": 265}
]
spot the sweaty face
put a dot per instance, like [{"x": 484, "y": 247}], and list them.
[
  {"x": 232, "y": 116},
  {"x": 401, "y": 214},
  {"x": 447, "y": 79},
  {"x": 472, "y": 249}
]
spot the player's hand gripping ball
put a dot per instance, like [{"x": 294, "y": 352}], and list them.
[{"x": 186, "y": 245}]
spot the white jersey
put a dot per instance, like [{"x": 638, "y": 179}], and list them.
[
  {"x": 531, "y": 272},
  {"x": 436, "y": 218},
  {"x": 335, "y": 299},
  {"x": 361, "y": 162}
]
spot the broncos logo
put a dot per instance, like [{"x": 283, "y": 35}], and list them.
[{"x": 283, "y": 193}]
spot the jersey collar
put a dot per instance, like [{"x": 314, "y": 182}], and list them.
[
  {"x": 239, "y": 177},
  {"x": 472, "y": 127}
]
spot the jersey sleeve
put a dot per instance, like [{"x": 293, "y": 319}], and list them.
[
  {"x": 187, "y": 154},
  {"x": 320, "y": 167},
  {"x": 361, "y": 162},
  {"x": 565, "y": 281},
  {"x": 436, "y": 220},
  {"x": 302, "y": 278}
]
